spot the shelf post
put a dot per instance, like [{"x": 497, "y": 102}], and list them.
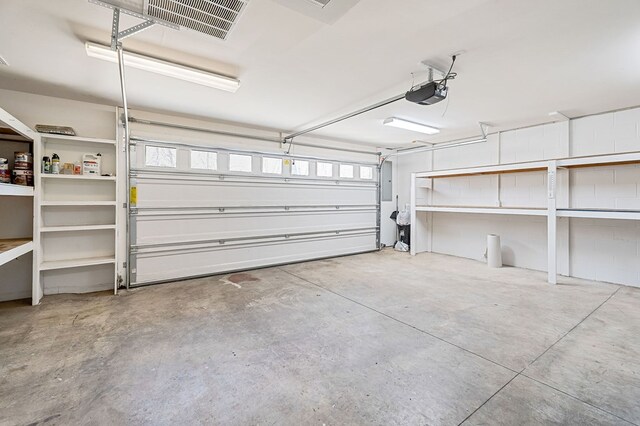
[
  {"x": 552, "y": 222},
  {"x": 413, "y": 233}
]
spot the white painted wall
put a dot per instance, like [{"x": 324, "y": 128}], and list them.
[{"x": 605, "y": 250}]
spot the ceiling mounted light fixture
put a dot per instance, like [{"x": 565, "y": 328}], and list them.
[
  {"x": 168, "y": 69},
  {"x": 410, "y": 125}
]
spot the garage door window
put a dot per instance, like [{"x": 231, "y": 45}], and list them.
[
  {"x": 156, "y": 156},
  {"x": 366, "y": 172},
  {"x": 204, "y": 160},
  {"x": 272, "y": 166},
  {"x": 346, "y": 171},
  {"x": 324, "y": 169},
  {"x": 300, "y": 168},
  {"x": 239, "y": 163}
]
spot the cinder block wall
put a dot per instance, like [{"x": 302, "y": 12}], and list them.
[{"x": 605, "y": 250}]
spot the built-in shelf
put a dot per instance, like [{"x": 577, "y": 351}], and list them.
[
  {"x": 67, "y": 205},
  {"x": 16, "y": 190},
  {"x": 19, "y": 217},
  {"x": 599, "y": 214},
  {"x": 78, "y": 177},
  {"x": 533, "y": 166},
  {"x": 574, "y": 213},
  {"x": 13, "y": 248},
  {"x": 76, "y": 263},
  {"x": 485, "y": 210},
  {"x": 76, "y": 228},
  {"x": 420, "y": 181},
  {"x": 77, "y": 203},
  {"x": 77, "y": 139}
]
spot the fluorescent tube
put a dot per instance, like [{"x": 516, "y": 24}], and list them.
[
  {"x": 410, "y": 125},
  {"x": 165, "y": 68}
]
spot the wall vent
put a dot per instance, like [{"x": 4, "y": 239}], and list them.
[
  {"x": 3, "y": 61},
  {"x": 213, "y": 17}
]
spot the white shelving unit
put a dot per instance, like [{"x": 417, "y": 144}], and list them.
[
  {"x": 78, "y": 220},
  {"x": 424, "y": 180},
  {"x": 17, "y": 239}
]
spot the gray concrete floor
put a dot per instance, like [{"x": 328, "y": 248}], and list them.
[{"x": 380, "y": 338}]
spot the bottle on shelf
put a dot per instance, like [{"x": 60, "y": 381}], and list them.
[
  {"x": 46, "y": 165},
  {"x": 55, "y": 164}
]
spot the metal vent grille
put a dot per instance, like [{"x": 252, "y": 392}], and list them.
[
  {"x": 213, "y": 17},
  {"x": 3, "y": 61}
]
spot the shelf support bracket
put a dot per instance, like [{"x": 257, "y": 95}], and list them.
[
  {"x": 115, "y": 25},
  {"x": 484, "y": 128},
  {"x": 117, "y": 36}
]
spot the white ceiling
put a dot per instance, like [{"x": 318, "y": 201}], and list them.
[{"x": 522, "y": 59}]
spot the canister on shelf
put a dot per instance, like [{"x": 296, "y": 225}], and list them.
[
  {"x": 23, "y": 161},
  {"x": 23, "y": 177},
  {"x": 55, "y": 164},
  {"x": 5, "y": 176},
  {"x": 77, "y": 168}
]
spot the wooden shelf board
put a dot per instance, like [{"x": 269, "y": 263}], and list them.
[
  {"x": 77, "y": 139},
  {"x": 76, "y": 263},
  {"x": 16, "y": 190},
  {"x": 528, "y": 211},
  {"x": 627, "y": 158},
  {"x": 77, "y": 203},
  {"x": 76, "y": 228},
  {"x": 489, "y": 172},
  {"x": 599, "y": 214},
  {"x": 79, "y": 177},
  {"x": 534, "y": 166},
  {"x": 613, "y": 163},
  {"x": 13, "y": 248}
]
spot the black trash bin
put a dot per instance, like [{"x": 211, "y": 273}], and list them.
[{"x": 404, "y": 231}]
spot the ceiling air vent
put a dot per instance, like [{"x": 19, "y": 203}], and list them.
[{"x": 213, "y": 17}]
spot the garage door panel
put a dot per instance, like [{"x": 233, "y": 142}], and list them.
[
  {"x": 171, "y": 265},
  {"x": 175, "y": 228},
  {"x": 167, "y": 193},
  {"x": 186, "y": 223}
]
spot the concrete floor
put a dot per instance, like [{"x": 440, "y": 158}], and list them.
[{"x": 381, "y": 338}]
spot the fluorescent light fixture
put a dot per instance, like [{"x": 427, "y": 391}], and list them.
[
  {"x": 410, "y": 125},
  {"x": 165, "y": 68}
]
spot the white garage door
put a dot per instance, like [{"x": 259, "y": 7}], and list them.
[{"x": 200, "y": 210}]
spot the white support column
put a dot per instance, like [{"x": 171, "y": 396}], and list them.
[
  {"x": 432, "y": 189},
  {"x": 430, "y": 215},
  {"x": 413, "y": 233},
  {"x": 552, "y": 222}
]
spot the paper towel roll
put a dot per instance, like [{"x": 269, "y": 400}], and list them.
[{"x": 494, "y": 251}]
